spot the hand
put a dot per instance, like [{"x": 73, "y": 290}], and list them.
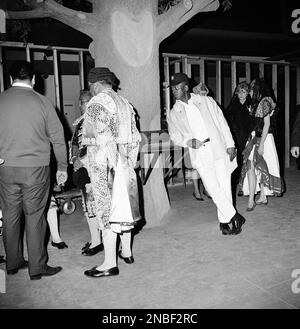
[
  {"x": 260, "y": 149},
  {"x": 61, "y": 177},
  {"x": 77, "y": 164},
  {"x": 295, "y": 151},
  {"x": 194, "y": 143},
  {"x": 232, "y": 153}
]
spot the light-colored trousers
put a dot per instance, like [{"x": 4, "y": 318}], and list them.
[{"x": 217, "y": 182}]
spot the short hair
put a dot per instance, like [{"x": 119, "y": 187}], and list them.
[{"x": 21, "y": 70}]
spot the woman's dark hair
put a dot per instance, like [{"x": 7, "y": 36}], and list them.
[
  {"x": 21, "y": 70},
  {"x": 260, "y": 90},
  {"x": 85, "y": 92}
]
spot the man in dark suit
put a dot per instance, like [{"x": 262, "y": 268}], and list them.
[
  {"x": 28, "y": 124},
  {"x": 295, "y": 138}
]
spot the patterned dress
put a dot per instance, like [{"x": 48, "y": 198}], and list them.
[
  {"x": 267, "y": 165},
  {"x": 77, "y": 150},
  {"x": 112, "y": 140}
]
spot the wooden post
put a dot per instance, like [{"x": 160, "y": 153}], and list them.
[
  {"x": 218, "y": 82},
  {"x": 81, "y": 69},
  {"x": 261, "y": 70},
  {"x": 248, "y": 72},
  {"x": 166, "y": 85},
  {"x": 233, "y": 76},
  {"x": 287, "y": 114},
  {"x": 1, "y": 72},
  {"x": 274, "y": 79},
  {"x": 56, "y": 80},
  {"x": 298, "y": 85},
  {"x": 202, "y": 70},
  {"x": 28, "y": 53}
]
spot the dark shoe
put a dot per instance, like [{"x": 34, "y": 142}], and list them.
[
  {"x": 2, "y": 260},
  {"x": 60, "y": 245},
  {"x": 49, "y": 272},
  {"x": 225, "y": 228},
  {"x": 199, "y": 199},
  {"x": 240, "y": 193},
  {"x": 128, "y": 260},
  {"x": 94, "y": 273},
  {"x": 251, "y": 208},
  {"x": 24, "y": 264},
  {"x": 237, "y": 222},
  {"x": 86, "y": 246},
  {"x": 206, "y": 194},
  {"x": 93, "y": 251}
]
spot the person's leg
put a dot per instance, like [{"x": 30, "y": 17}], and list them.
[
  {"x": 252, "y": 185},
  {"x": 126, "y": 244},
  {"x": 195, "y": 180},
  {"x": 262, "y": 196},
  {"x": 11, "y": 204},
  {"x": 95, "y": 232},
  {"x": 53, "y": 225},
  {"x": 36, "y": 191},
  {"x": 110, "y": 241},
  {"x": 211, "y": 183}
]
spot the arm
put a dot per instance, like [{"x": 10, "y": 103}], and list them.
[
  {"x": 56, "y": 137},
  {"x": 264, "y": 134}
]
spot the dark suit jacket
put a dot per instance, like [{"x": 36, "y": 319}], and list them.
[{"x": 295, "y": 138}]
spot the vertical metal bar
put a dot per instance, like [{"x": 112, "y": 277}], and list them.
[
  {"x": 287, "y": 114},
  {"x": 233, "y": 76},
  {"x": 248, "y": 72},
  {"x": 218, "y": 82},
  {"x": 202, "y": 70},
  {"x": 56, "y": 79},
  {"x": 81, "y": 69},
  {"x": 261, "y": 70},
  {"x": 1, "y": 71},
  {"x": 274, "y": 79}
]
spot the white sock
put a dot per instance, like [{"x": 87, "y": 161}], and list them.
[
  {"x": 109, "y": 240},
  {"x": 126, "y": 244},
  {"x": 95, "y": 232},
  {"x": 53, "y": 225}
]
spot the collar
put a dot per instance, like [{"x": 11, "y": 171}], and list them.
[{"x": 21, "y": 84}]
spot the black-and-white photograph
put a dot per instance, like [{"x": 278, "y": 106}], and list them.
[{"x": 149, "y": 157}]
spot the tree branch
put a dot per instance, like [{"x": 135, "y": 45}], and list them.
[
  {"x": 81, "y": 21},
  {"x": 171, "y": 20}
]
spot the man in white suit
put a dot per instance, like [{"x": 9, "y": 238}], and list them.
[{"x": 198, "y": 123}]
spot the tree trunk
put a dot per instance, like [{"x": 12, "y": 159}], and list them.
[{"x": 139, "y": 76}]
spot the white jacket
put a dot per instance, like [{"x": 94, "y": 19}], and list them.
[{"x": 216, "y": 125}]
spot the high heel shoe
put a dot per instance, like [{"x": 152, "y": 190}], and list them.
[
  {"x": 264, "y": 202},
  {"x": 251, "y": 208},
  {"x": 199, "y": 199}
]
